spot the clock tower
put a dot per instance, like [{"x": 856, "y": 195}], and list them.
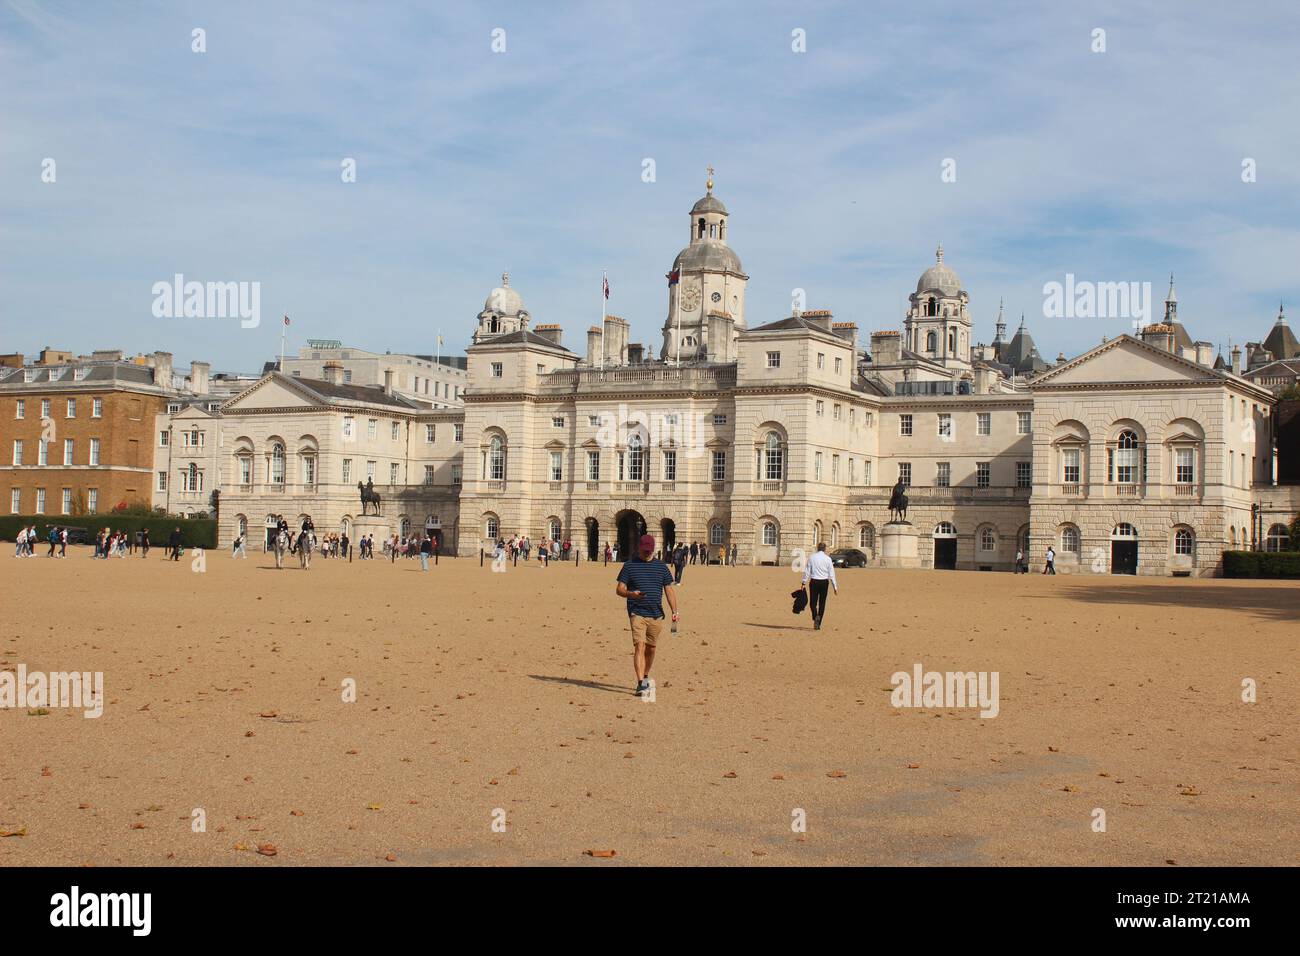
[{"x": 706, "y": 279}]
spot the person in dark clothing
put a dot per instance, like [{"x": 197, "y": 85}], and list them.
[
  {"x": 679, "y": 563},
  {"x": 695, "y": 551},
  {"x": 175, "y": 542},
  {"x": 144, "y": 542}
]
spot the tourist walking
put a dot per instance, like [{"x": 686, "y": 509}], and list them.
[
  {"x": 426, "y": 549},
  {"x": 679, "y": 563},
  {"x": 175, "y": 542},
  {"x": 644, "y": 583},
  {"x": 1050, "y": 566},
  {"x": 818, "y": 577}
]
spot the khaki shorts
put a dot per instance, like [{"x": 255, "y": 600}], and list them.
[{"x": 645, "y": 630}]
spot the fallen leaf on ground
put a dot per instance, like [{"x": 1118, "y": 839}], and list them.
[
  {"x": 601, "y": 854},
  {"x": 267, "y": 849}
]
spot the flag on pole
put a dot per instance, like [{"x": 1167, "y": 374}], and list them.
[
  {"x": 605, "y": 286},
  {"x": 674, "y": 276},
  {"x": 286, "y": 320}
]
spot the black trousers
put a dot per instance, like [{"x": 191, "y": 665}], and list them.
[{"x": 817, "y": 597}]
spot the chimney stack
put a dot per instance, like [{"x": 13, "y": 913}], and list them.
[
  {"x": 615, "y": 339},
  {"x": 721, "y": 327},
  {"x": 635, "y": 352},
  {"x": 886, "y": 348},
  {"x": 594, "y": 345},
  {"x": 388, "y": 381},
  {"x": 1236, "y": 360},
  {"x": 162, "y": 369},
  {"x": 200, "y": 375},
  {"x": 550, "y": 332},
  {"x": 334, "y": 372}
]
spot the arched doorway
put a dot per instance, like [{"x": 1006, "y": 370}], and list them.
[
  {"x": 667, "y": 535},
  {"x": 272, "y": 523},
  {"x": 945, "y": 546},
  {"x": 631, "y": 526},
  {"x": 593, "y": 540},
  {"x": 1124, "y": 549}
]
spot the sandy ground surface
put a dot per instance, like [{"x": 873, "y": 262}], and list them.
[{"x": 479, "y": 692}]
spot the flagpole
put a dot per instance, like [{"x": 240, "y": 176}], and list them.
[
  {"x": 603, "y": 315},
  {"x": 678, "y": 301},
  {"x": 283, "y": 326}
]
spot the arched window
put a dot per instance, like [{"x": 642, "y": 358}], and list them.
[
  {"x": 1126, "y": 459},
  {"x": 722, "y": 229},
  {"x": 1232, "y": 537},
  {"x": 717, "y": 534},
  {"x": 491, "y": 527},
  {"x": 773, "y": 458},
  {"x": 701, "y": 228},
  {"x": 241, "y": 525},
  {"x": 769, "y": 533},
  {"x": 988, "y": 540},
  {"x": 405, "y": 527},
  {"x": 1277, "y": 539},
  {"x": 816, "y": 533},
  {"x": 193, "y": 481},
  {"x": 945, "y": 527},
  {"x": 835, "y": 536},
  {"x": 932, "y": 307},
  {"x": 866, "y": 537},
  {"x": 1124, "y": 530},
  {"x": 713, "y": 231},
  {"x": 496, "y": 459},
  {"x": 554, "y": 527},
  {"x": 277, "y": 464},
  {"x": 952, "y": 342},
  {"x": 1184, "y": 542},
  {"x": 930, "y": 341},
  {"x": 1070, "y": 539}
]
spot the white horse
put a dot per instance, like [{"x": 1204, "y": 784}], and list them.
[
  {"x": 279, "y": 546},
  {"x": 305, "y": 545}
]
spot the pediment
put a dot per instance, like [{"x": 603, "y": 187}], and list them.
[
  {"x": 273, "y": 392},
  {"x": 1126, "y": 360}
]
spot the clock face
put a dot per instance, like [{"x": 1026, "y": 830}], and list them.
[
  {"x": 717, "y": 297},
  {"x": 690, "y": 299}
]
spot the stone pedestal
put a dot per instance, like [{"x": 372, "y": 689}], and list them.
[
  {"x": 377, "y": 525},
  {"x": 898, "y": 545}
]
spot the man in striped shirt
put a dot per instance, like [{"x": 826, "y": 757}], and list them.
[{"x": 644, "y": 583}]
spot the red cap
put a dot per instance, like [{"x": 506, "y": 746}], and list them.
[{"x": 647, "y": 544}]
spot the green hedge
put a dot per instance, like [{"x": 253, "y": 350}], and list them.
[
  {"x": 199, "y": 532},
  {"x": 1261, "y": 564}
]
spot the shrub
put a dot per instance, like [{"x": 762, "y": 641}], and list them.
[
  {"x": 199, "y": 533},
  {"x": 1261, "y": 564}
]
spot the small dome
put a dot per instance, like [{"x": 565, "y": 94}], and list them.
[
  {"x": 939, "y": 277},
  {"x": 709, "y": 203},
  {"x": 504, "y": 299},
  {"x": 708, "y": 255}
]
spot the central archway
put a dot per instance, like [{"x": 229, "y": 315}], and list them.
[
  {"x": 668, "y": 535},
  {"x": 593, "y": 539},
  {"x": 631, "y": 526}
]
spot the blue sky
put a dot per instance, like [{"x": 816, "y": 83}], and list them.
[{"x": 225, "y": 165}]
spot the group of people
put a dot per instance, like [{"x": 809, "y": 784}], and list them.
[
  {"x": 1049, "y": 564},
  {"x": 108, "y": 543},
  {"x": 25, "y": 542},
  {"x": 548, "y": 550}
]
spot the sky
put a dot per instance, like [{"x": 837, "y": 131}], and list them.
[{"x": 227, "y": 165}]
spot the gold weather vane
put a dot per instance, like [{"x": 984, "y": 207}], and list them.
[{"x": 708, "y": 185}]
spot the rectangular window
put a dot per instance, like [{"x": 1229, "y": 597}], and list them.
[
  {"x": 1186, "y": 466},
  {"x": 459, "y": 430},
  {"x": 372, "y": 429},
  {"x": 593, "y": 421},
  {"x": 1070, "y": 469},
  {"x": 309, "y": 471},
  {"x": 821, "y": 360},
  {"x": 945, "y": 425},
  {"x": 163, "y": 439},
  {"x": 20, "y": 409},
  {"x": 246, "y": 470},
  {"x": 94, "y": 451},
  {"x": 835, "y": 412},
  {"x": 821, "y": 409},
  {"x": 853, "y": 417},
  {"x": 348, "y": 423},
  {"x": 839, "y": 365},
  {"x": 92, "y": 501},
  {"x": 983, "y": 424},
  {"x": 866, "y": 472},
  {"x": 67, "y": 451},
  {"x": 396, "y": 432},
  {"x": 393, "y": 469},
  {"x": 97, "y": 408},
  {"x": 541, "y": 369},
  {"x": 982, "y": 474},
  {"x": 428, "y": 474},
  {"x": 1022, "y": 423},
  {"x": 835, "y": 467},
  {"x": 430, "y": 433},
  {"x": 45, "y": 408},
  {"x": 719, "y": 466},
  {"x": 636, "y": 465},
  {"x": 853, "y": 471},
  {"x": 557, "y": 421},
  {"x": 347, "y": 375},
  {"x": 497, "y": 370},
  {"x": 370, "y": 470},
  {"x": 162, "y": 481},
  {"x": 670, "y": 466},
  {"x": 66, "y": 506},
  {"x": 905, "y": 425},
  {"x": 347, "y": 470},
  {"x": 905, "y": 473},
  {"x": 773, "y": 359},
  {"x": 72, "y": 408},
  {"x": 817, "y": 466},
  {"x": 40, "y": 501},
  {"x": 557, "y": 466},
  {"x": 943, "y": 475},
  {"x": 719, "y": 419},
  {"x": 455, "y": 474},
  {"x": 1024, "y": 474},
  {"x": 593, "y": 466},
  {"x": 15, "y": 501}
]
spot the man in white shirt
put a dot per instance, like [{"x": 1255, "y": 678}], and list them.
[{"x": 820, "y": 570}]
